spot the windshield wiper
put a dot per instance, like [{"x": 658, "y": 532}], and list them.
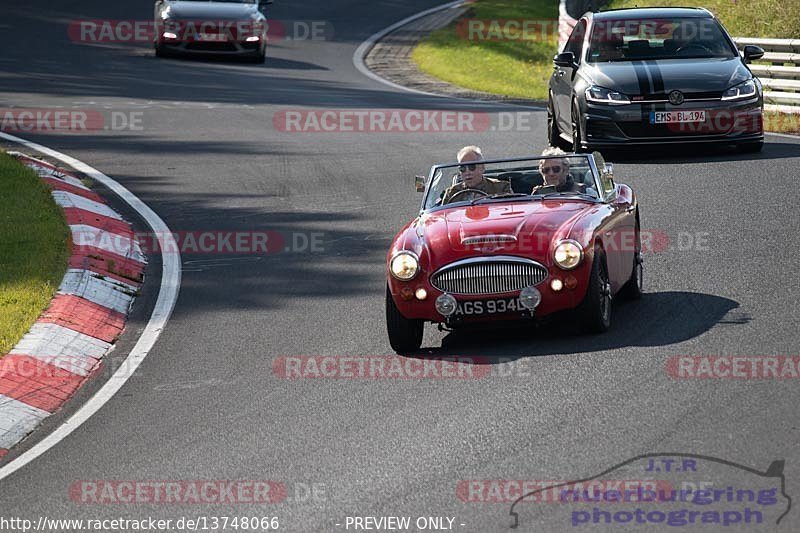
[{"x": 496, "y": 196}]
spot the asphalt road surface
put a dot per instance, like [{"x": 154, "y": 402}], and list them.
[{"x": 207, "y": 403}]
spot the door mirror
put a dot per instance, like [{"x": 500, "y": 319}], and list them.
[
  {"x": 419, "y": 183},
  {"x": 564, "y": 59},
  {"x": 752, "y": 53}
]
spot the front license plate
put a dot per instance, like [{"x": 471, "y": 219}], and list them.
[
  {"x": 214, "y": 37},
  {"x": 669, "y": 117},
  {"x": 489, "y": 307}
]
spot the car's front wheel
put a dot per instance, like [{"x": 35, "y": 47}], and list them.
[
  {"x": 553, "y": 131},
  {"x": 576, "y": 129},
  {"x": 633, "y": 289},
  {"x": 405, "y": 335},
  {"x": 595, "y": 309}
]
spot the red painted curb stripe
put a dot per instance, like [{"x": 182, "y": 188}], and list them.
[
  {"x": 3, "y": 451},
  {"x": 68, "y": 187},
  {"x": 40, "y": 163},
  {"x": 108, "y": 264},
  {"x": 84, "y": 317},
  {"x": 76, "y": 217},
  {"x": 36, "y": 383}
]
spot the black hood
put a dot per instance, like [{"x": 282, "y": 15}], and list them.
[
  {"x": 664, "y": 75},
  {"x": 212, "y": 11}
]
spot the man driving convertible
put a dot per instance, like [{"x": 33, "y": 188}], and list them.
[{"x": 471, "y": 174}]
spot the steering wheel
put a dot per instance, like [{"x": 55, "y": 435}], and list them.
[
  {"x": 473, "y": 192},
  {"x": 696, "y": 46}
]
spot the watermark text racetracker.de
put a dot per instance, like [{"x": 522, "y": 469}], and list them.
[
  {"x": 92, "y": 31},
  {"x": 251, "y": 242},
  {"x": 57, "y": 121},
  {"x": 740, "y": 367}
]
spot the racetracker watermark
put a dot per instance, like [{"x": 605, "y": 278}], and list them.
[
  {"x": 710, "y": 122},
  {"x": 734, "y": 367},
  {"x": 559, "y": 491},
  {"x": 379, "y": 367},
  {"x": 202, "y": 242},
  {"x": 380, "y": 121},
  {"x": 92, "y": 31},
  {"x": 183, "y": 492},
  {"x": 19, "y": 120},
  {"x": 543, "y": 30}
]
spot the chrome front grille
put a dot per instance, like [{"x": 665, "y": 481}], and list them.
[{"x": 488, "y": 276}]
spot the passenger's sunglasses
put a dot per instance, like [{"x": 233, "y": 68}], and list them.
[
  {"x": 555, "y": 170},
  {"x": 464, "y": 168}
]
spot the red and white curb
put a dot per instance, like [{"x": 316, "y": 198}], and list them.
[{"x": 68, "y": 342}]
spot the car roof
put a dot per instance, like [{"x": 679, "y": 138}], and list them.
[{"x": 650, "y": 12}]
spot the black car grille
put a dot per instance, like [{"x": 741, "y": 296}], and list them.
[
  {"x": 488, "y": 277},
  {"x": 211, "y": 47}
]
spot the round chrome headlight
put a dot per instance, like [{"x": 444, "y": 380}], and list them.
[
  {"x": 568, "y": 254},
  {"x": 404, "y": 265},
  {"x": 446, "y": 305},
  {"x": 530, "y": 298}
]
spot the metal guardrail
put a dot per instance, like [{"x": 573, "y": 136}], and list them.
[{"x": 781, "y": 77}]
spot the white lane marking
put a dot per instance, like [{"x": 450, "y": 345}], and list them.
[
  {"x": 68, "y": 199},
  {"x": 165, "y": 303},
  {"x": 108, "y": 293},
  {"x": 17, "y": 419},
  {"x": 83, "y": 235},
  {"x": 363, "y": 49},
  {"x": 786, "y": 135}
]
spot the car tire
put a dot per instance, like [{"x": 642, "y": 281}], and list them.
[
  {"x": 595, "y": 311},
  {"x": 632, "y": 290},
  {"x": 576, "y": 129},
  {"x": 553, "y": 131},
  {"x": 160, "y": 52},
  {"x": 405, "y": 335},
  {"x": 750, "y": 148}
]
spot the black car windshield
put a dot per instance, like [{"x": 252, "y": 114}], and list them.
[
  {"x": 640, "y": 39},
  {"x": 521, "y": 180}
]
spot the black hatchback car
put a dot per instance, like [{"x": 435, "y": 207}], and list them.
[{"x": 653, "y": 76}]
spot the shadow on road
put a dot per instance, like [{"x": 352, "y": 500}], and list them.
[{"x": 659, "y": 319}]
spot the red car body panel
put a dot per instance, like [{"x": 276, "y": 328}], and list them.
[{"x": 437, "y": 238}]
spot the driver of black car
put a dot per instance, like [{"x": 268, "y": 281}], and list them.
[
  {"x": 470, "y": 171},
  {"x": 556, "y": 176}
]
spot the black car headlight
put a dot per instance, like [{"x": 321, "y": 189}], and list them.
[
  {"x": 742, "y": 91},
  {"x": 601, "y": 95},
  {"x": 404, "y": 265}
]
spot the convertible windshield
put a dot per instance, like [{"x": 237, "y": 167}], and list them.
[
  {"x": 634, "y": 40},
  {"x": 517, "y": 180}
]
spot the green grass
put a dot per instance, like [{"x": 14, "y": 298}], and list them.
[
  {"x": 782, "y": 122},
  {"x": 742, "y": 18},
  {"x": 511, "y": 67},
  {"x": 33, "y": 249}
]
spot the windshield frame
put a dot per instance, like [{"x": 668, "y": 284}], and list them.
[{"x": 527, "y": 197}]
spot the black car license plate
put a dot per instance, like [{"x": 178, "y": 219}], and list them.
[{"x": 495, "y": 306}]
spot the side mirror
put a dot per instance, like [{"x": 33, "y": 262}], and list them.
[
  {"x": 752, "y": 52},
  {"x": 564, "y": 59},
  {"x": 419, "y": 183}
]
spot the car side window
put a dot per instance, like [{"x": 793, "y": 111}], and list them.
[{"x": 575, "y": 41}]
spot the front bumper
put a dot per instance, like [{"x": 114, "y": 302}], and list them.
[
  {"x": 626, "y": 125},
  {"x": 215, "y": 48},
  {"x": 552, "y": 301}
]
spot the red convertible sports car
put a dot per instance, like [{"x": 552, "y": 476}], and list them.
[{"x": 524, "y": 253}]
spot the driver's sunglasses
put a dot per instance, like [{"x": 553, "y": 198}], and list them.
[
  {"x": 464, "y": 168},
  {"x": 555, "y": 170}
]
